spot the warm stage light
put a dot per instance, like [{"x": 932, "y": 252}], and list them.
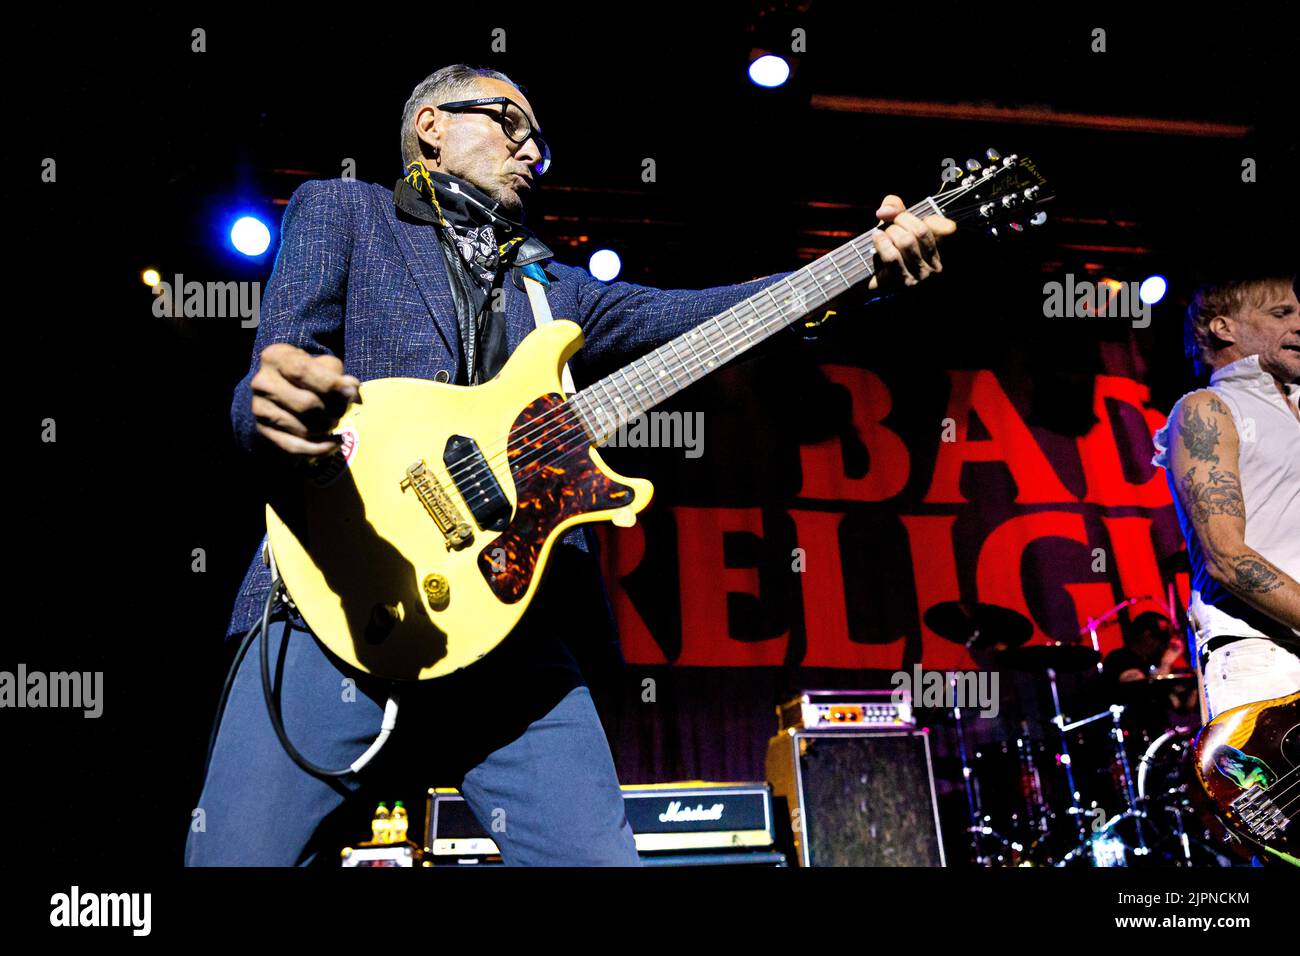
[{"x": 151, "y": 277}]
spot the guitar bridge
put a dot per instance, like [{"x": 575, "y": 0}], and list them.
[
  {"x": 439, "y": 506},
  {"x": 1260, "y": 815}
]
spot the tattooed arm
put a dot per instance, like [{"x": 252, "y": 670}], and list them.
[{"x": 1203, "y": 457}]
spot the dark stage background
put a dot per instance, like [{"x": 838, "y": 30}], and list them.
[{"x": 836, "y": 447}]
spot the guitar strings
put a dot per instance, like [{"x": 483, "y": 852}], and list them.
[
  {"x": 1274, "y": 794},
  {"x": 557, "y": 417},
  {"x": 544, "y": 422},
  {"x": 561, "y": 420},
  {"x": 548, "y": 418},
  {"x": 556, "y": 423},
  {"x": 563, "y": 430}
]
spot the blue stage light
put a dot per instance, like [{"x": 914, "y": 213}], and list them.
[
  {"x": 1152, "y": 289},
  {"x": 250, "y": 236}
]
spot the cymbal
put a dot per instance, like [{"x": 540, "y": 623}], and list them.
[
  {"x": 1155, "y": 688},
  {"x": 979, "y": 626},
  {"x": 1173, "y": 676},
  {"x": 1040, "y": 657}
]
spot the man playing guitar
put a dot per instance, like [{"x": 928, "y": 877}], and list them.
[{"x": 422, "y": 282}]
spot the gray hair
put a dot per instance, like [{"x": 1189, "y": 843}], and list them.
[{"x": 457, "y": 81}]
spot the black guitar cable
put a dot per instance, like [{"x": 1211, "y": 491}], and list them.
[
  {"x": 225, "y": 693},
  {"x": 262, "y": 627}
]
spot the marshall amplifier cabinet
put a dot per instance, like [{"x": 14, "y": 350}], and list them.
[
  {"x": 700, "y": 816},
  {"x": 857, "y": 797},
  {"x": 692, "y": 824}
]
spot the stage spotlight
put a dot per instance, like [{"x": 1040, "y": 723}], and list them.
[
  {"x": 604, "y": 264},
  {"x": 769, "y": 70},
  {"x": 1153, "y": 289},
  {"x": 151, "y": 277},
  {"x": 250, "y": 236}
]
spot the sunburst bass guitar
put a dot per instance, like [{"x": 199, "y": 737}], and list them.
[
  {"x": 1248, "y": 761},
  {"x": 416, "y": 548}
]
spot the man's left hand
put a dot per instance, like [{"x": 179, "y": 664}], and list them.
[{"x": 907, "y": 247}]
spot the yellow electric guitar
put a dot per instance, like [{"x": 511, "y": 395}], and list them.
[{"x": 414, "y": 550}]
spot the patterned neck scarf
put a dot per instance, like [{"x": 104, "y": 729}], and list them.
[{"x": 470, "y": 217}]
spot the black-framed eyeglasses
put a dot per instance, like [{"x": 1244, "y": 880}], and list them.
[{"x": 514, "y": 122}]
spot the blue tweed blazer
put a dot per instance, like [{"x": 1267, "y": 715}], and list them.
[{"x": 359, "y": 278}]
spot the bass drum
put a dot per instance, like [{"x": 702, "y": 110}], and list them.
[
  {"x": 1183, "y": 829},
  {"x": 1174, "y": 825}
]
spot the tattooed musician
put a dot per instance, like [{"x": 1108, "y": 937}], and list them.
[{"x": 1231, "y": 453}]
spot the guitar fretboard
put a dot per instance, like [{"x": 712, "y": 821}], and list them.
[{"x": 616, "y": 399}]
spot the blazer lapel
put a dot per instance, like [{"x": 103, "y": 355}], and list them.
[{"x": 419, "y": 244}]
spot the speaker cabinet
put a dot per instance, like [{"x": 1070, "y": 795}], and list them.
[{"x": 857, "y": 798}]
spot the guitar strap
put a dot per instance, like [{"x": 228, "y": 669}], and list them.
[{"x": 535, "y": 282}]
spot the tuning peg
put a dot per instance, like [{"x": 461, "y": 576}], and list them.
[
  {"x": 1038, "y": 218},
  {"x": 973, "y": 165},
  {"x": 992, "y": 155}
]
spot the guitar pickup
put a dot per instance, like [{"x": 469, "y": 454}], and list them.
[{"x": 477, "y": 484}]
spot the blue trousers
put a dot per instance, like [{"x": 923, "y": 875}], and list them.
[{"x": 517, "y": 733}]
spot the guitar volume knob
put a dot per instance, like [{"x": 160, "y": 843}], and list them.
[{"x": 437, "y": 591}]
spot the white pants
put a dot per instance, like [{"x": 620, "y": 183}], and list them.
[{"x": 1249, "y": 670}]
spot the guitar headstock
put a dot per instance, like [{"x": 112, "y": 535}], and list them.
[{"x": 1003, "y": 191}]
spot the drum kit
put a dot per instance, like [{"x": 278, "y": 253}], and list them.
[{"x": 1115, "y": 788}]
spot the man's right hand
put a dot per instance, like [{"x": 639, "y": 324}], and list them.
[{"x": 298, "y": 397}]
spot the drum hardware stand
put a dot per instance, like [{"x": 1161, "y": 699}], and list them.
[
  {"x": 1130, "y": 811},
  {"x": 979, "y": 824},
  {"x": 1034, "y": 799},
  {"x": 1144, "y": 766},
  {"x": 1093, "y": 622},
  {"x": 1181, "y": 832},
  {"x": 1058, "y": 719}
]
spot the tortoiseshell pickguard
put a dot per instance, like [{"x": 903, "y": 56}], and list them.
[{"x": 550, "y": 486}]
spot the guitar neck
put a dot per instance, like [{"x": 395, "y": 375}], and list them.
[{"x": 616, "y": 399}]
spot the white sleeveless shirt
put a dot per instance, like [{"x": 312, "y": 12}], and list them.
[{"x": 1268, "y": 434}]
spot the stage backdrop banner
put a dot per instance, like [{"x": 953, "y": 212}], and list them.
[{"x": 931, "y": 487}]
